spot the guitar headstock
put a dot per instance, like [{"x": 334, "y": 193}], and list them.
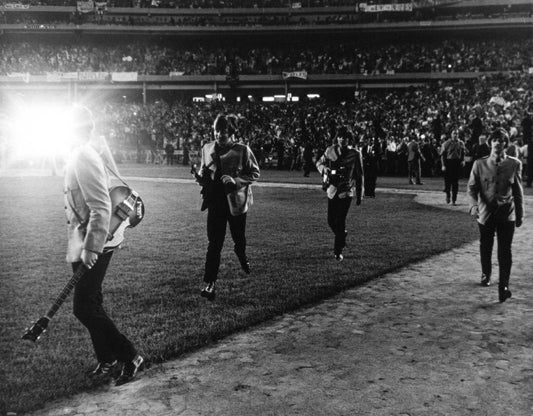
[{"x": 36, "y": 330}]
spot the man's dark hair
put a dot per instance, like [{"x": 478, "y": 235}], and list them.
[
  {"x": 497, "y": 134},
  {"x": 344, "y": 133},
  {"x": 226, "y": 123}
]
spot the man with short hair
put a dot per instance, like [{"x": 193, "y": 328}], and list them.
[
  {"x": 414, "y": 157},
  {"x": 88, "y": 210},
  {"x": 496, "y": 200},
  {"x": 227, "y": 172},
  {"x": 343, "y": 166},
  {"x": 453, "y": 159}
]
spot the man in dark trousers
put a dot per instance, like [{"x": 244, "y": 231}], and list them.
[
  {"x": 227, "y": 171},
  {"x": 496, "y": 200},
  {"x": 527, "y": 127},
  {"x": 453, "y": 159},
  {"x": 343, "y": 166},
  {"x": 88, "y": 209}
]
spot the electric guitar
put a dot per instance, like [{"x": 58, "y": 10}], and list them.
[{"x": 127, "y": 212}]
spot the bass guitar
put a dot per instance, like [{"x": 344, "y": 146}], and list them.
[{"x": 127, "y": 212}]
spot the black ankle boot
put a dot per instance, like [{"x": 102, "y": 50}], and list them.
[
  {"x": 504, "y": 293},
  {"x": 209, "y": 292}
]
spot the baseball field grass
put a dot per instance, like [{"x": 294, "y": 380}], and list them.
[{"x": 153, "y": 283}]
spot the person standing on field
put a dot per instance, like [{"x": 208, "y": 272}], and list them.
[
  {"x": 88, "y": 210},
  {"x": 226, "y": 173},
  {"x": 496, "y": 200},
  {"x": 342, "y": 165},
  {"x": 453, "y": 159}
]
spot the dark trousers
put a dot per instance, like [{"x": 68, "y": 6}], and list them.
[
  {"x": 370, "y": 184},
  {"x": 529, "y": 161},
  {"x": 504, "y": 231},
  {"x": 414, "y": 170},
  {"x": 109, "y": 344},
  {"x": 337, "y": 212},
  {"x": 218, "y": 215},
  {"x": 451, "y": 177}
]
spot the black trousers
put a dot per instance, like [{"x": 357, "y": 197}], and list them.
[
  {"x": 337, "y": 211},
  {"x": 370, "y": 184},
  {"x": 218, "y": 215},
  {"x": 505, "y": 232},
  {"x": 529, "y": 172},
  {"x": 109, "y": 344},
  {"x": 451, "y": 177}
]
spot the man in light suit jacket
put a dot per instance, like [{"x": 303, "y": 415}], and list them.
[
  {"x": 496, "y": 200},
  {"x": 227, "y": 171},
  {"x": 88, "y": 210}
]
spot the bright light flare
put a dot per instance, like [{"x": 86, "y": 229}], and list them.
[{"x": 41, "y": 131}]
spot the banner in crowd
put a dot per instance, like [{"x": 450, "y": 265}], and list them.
[
  {"x": 296, "y": 5},
  {"x": 85, "y": 6},
  {"x": 100, "y": 6},
  {"x": 93, "y": 76},
  {"x": 294, "y": 74},
  {"x": 25, "y": 76},
  {"x": 176, "y": 73},
  {"x": 123, "y": 76},
  {"x": 16, "y": 6},
  {"x": 376, "y": 8}
]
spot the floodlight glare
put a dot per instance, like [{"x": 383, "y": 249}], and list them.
[{"x": 41, "y": 131}]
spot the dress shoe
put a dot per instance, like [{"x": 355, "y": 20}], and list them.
[
  {"x": 447, "y": 199},
  {"x": 129, "y": 371},
  {"x": 209, "y": 292},
  {"x": 504, "y": 293},
  {"x": 245, "y": 265},
  {"x": 485, "y": 280},
  {"x": 102, "y": 369},
  {"x": 339, "y": 257}
]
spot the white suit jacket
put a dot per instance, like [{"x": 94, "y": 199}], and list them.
[{"x": 87, "y": 202}]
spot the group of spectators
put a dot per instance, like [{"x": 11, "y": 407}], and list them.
[
  {"x": 260, "y": 13},
  {"x": 153, "y": 58},
  {"x": 280, "y": 133}
]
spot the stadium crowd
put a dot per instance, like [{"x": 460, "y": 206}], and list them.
[
  {"x": 279, "y": 133},
  {"x": 152, "y": 58}
]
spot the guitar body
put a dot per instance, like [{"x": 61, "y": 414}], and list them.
[{"x": 127, "y": 212}]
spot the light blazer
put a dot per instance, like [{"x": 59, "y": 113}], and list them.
[
  {"x": 87, "y": 202},
  {"x": 496, "y": 188},
  {"x": 238, "y": 162}
]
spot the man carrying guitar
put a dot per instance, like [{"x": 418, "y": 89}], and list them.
[
  {"x": 342, "y": 165},
  {"x": 88, "y": 209}
]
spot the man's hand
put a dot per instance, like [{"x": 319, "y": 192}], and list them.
[
  {"x": 226, "y": 180},
  {"x": 518, "y": 222},
  {"x": 443, "y": 168},
  {"x": 88, "y": 258},
  {"x": 229, "y": 183},
  {"x": 474, "y": 211}
]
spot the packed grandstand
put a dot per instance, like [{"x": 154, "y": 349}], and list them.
[{"x": 386, "y": 70}]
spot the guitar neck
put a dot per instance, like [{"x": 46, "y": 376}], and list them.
[{"x": 77, "y": 275}]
